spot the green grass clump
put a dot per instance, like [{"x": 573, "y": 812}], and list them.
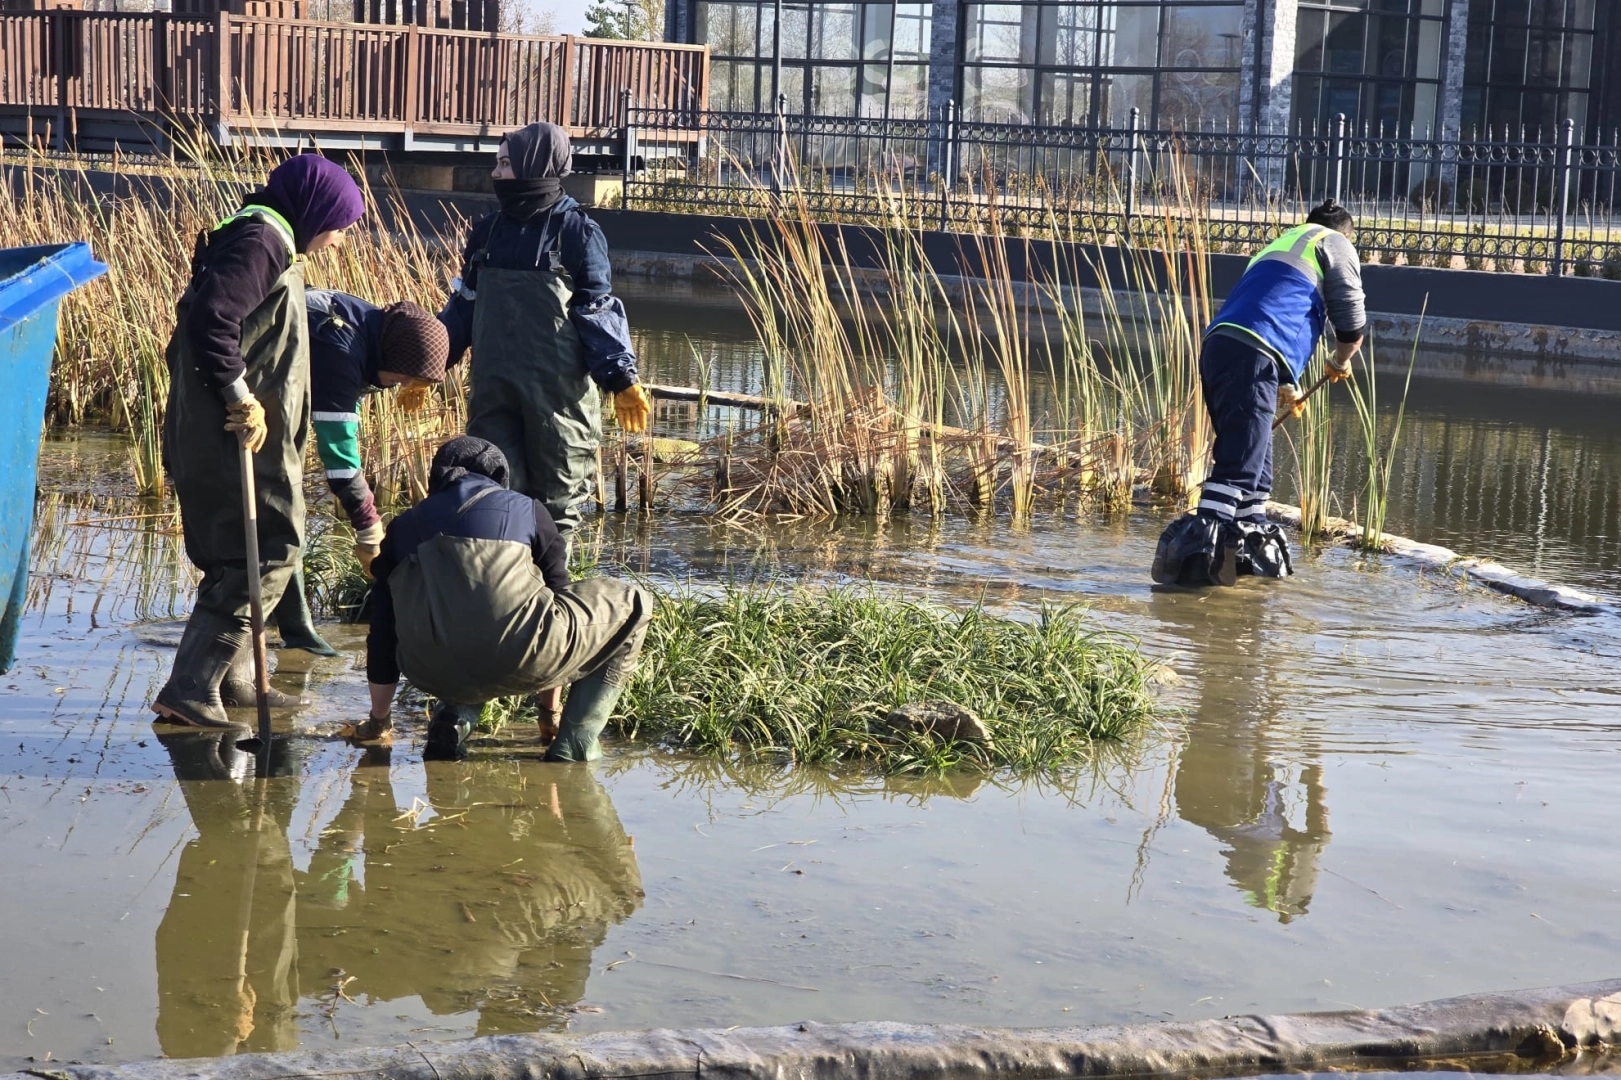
[{"x": 809, "y": 676}]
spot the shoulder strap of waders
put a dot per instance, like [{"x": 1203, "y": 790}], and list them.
[
  {"x": 279, "y": 224},
  {"x": 475, "y": 497},
  {"x": 1297, "y": 248}
]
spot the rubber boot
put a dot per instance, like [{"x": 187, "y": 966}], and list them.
[
  {"x": 292, "y": 617},
  {"x": 192, "y": 694},
  {"x": 236, "y": 689},
  {"x": 448, "y": 730},
  {"x": 590, "y": 702}
]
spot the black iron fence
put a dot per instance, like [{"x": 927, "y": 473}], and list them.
[{"x": 1528, "y": 202}]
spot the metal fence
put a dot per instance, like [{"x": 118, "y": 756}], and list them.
[{"x": 1527, "y": 202}]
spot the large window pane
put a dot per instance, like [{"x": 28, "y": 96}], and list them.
[
  {"x": 997, "y": 93},
  {"x": 1068, "y": 36},
  {"x": 833, "y": 33},
  {"x": 833, "y": 90},
  {"x": 1202, "y": 37},
  {"x": 1066, "y": 99},
  {"x": 1193, "y": 98},
  {"x": 1120, "y": 93},
  {"x": 1133, "y": 37},
  {"x": 1309, "y": 40},
  {"x": 997, "y": 32}
]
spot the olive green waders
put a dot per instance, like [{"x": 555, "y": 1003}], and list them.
[
  {"x": 532, "y": 393},
  {"x": 476, "y": 621},
  {"x": 201, "y": 457}
]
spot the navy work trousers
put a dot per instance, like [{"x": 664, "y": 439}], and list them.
[{"x": 1240, "y": 383}]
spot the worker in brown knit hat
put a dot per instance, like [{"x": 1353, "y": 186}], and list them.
[{"x": 358, "y": 348}]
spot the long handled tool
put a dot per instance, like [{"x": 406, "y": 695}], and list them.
[
  {"x": 1301, "y": 400},
  {"x": 256, "y": 610}
]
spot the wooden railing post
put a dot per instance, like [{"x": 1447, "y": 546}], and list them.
[
  {"x": 565, "y": 107},
  {"x": 223, "y": 74},
  {"x": 59, "y": 34},
  {"x": 411, "y": 107}
]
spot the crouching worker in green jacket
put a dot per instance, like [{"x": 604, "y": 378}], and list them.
[{"x": 472, "y": 601}]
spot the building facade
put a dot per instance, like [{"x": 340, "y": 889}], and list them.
[{"x": 1420, "y": 66}]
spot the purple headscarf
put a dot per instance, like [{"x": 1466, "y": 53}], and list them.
[{"x": 317, "y": 194}]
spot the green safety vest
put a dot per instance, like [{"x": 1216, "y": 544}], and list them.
[{"x": 269, "y": 217}]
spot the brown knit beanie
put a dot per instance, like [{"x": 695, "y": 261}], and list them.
[{"x": 415, "y": 343}]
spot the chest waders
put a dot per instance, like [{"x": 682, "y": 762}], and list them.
[
  {"x": 201, "y": 457},
  {"x": 532, "y": 393}
]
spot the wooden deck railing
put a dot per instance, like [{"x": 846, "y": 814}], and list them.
[{"x": 239, "y": 74}]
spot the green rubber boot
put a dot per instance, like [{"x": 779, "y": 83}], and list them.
[
  {"x": 292, "y": 617},
  {"x": 590, "y": 702}
]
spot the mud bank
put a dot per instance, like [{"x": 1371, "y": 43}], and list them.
[{"x": 1541, "y": 1026}]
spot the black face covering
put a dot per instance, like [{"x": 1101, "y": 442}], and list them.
[
  {"x": 466, "y": 454},
  {"x": 540, "y": 156}
]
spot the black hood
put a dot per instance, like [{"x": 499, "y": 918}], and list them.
[{"x": 466, "y": 454}]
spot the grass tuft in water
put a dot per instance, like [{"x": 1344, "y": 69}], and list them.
[{"x": 809, "y": 677}]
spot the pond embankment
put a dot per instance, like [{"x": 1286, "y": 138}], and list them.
[{"x": 1525, "y": 1029}]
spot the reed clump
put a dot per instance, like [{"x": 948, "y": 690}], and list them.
[
  {"x": 810, "y": 676},
  {"x": 893, "y": 388}
]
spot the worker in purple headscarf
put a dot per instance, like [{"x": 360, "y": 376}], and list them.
[{"x": 239, "y": 368}]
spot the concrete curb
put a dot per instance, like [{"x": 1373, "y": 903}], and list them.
[
  {"x": 1540, "y": 1025},
  {"x": 1485, "y": 572}
]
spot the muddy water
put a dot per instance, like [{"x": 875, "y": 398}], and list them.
[{"x": 1378, "y": 787}]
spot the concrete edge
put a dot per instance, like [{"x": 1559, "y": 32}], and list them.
[
  {"x": 1541, "y": 1025},
  {"x": 1535, "y": 343},
  {"x": 1484, "y": 572}
]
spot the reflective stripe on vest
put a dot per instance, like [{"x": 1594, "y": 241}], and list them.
[
  {"x": 263, "y": 213},
  {"x": 1297, "y": 248}
]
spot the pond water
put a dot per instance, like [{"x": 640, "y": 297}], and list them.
[{"x": 1377, "y": 786}]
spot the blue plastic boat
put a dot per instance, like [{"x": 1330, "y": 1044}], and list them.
[{"x": 33, "y": 281}]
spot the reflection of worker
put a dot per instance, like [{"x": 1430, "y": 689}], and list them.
[
  {"x": 357, "y": 347},
  {"x": 1263, "y": 338},
  {"x": 494, "y": 903},
  {"x": 1232, "y": 776},
  {"x": 473, "y": 602},
  {"x": 239, "y": 365},
  {"x": 226, "y": 950},
  {"x": 534, "y": 301}
]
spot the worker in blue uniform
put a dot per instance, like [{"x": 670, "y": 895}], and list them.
[{"x": 1254, "y": 356}]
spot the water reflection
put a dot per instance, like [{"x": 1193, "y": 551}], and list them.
[
  {"x": 488, "y": 896},
  {"x": 1244, "y": 774}
]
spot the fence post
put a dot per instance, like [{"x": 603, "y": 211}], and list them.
[
  {"x": 948, "y": 165},
  {"x": 1567, "y": 139},
  {"x": 630, "y": 149},
  {"x": 1336, "y": 166},
  {"x": 779, "y": 159},
  {"x": 1132, "y": 126}
]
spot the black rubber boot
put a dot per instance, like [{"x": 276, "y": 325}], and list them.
[
  {"x": 236, "y": 689},
  {"x": 448, "y": 730},
  {"x": 590, "y": 702},
  {"x": 292, "y": 617},
  {"x": 1197, "y": 550},
  {"x": 1263, "y": 550},
  {"x": 192, "y": 694}
]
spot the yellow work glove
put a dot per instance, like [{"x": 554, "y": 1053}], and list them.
[
  {"x": 1336, "y": 369},
  {"x": 631, "y": 408},
  {"x": 368, "y": 542},
  {"x": 1290, "y": 400},
  {"x": 248, "y": 417},
  {"x": 414, "y": 395}
]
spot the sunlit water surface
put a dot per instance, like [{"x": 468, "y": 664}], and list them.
[{"x": 1374, "y": 786}]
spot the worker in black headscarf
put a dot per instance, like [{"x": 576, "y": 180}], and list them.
[
  {"x": 535, "y": 302},
  {"x": 473, "y": 602}
]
